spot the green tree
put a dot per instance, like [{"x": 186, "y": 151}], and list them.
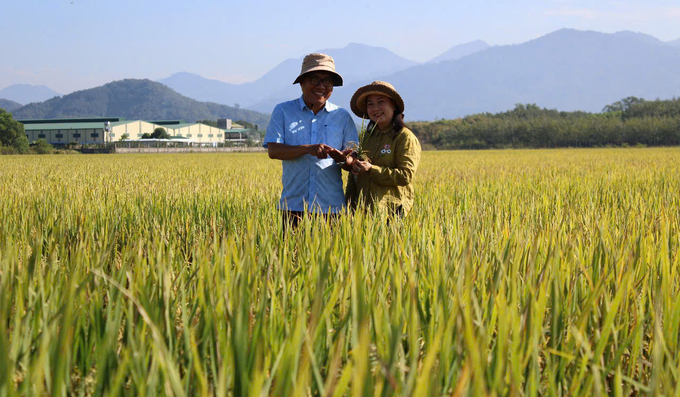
[
  {"x": 42, "y": 147},
  {"x": 246, "y": 124},
  {"x": 212, "y": 123},
  {"x": 146, "y": 135},
  {"x": 21, "y": 144},
  {"x": 623, "y": 105},
  {"x": 160, "y": 133},
  {"x": 124, "y": 137},
  {"x": 10, "y": 129}
]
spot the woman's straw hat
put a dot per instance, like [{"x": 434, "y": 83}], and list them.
[
  {"x": 358, "y": 101},
  {"x": 319, "y": 62}
]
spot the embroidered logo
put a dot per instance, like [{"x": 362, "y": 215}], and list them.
[{"x": 295, "y": 126}]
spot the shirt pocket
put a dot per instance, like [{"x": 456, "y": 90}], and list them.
[
  {"x": 296, "y": 132},
  {"x": 332, "y": 136}
]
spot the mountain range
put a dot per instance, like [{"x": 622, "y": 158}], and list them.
[
  {"x": 27, "y": 93},
  {"x": 9, "y": 105},
  {"x": 134, "y": 99},
  {"x": 353, "y": 62},
  {"x": 567, "y": 69}
]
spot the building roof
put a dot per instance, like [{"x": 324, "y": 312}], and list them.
[
  {"x": 167, "y": 122},
  {"x": 71, "y": 126},
  {"x": 99, "y": 120},
  {"x": 237, "y": 130},
  {"x": 98, "y": 123},
  {"x": 177, "y": 126},
  {"x": 182, "y": 125}
]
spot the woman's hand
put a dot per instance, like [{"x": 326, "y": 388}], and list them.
[{"x": 359, "y": 167}]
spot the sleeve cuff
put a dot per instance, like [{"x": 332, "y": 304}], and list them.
[
  {"x": 268, "y": 141},
  {"x": 375, "y": 169}
]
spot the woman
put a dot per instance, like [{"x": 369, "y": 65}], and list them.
[{"x": 390, "y": 152}]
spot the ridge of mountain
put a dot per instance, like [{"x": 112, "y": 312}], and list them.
[
  {"x": 460, "y": 51},
  {"x": 567, "y": 69},
  {"x": 649, "y": 39},
  {"x": 134, "y": 99},
  {"x": 9, "y": 105},
  {"x": 354, "y": 61},
  {"x": 27, "y": 93}
]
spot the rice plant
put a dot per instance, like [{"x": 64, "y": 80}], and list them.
[{"x": 550, "y": 272}]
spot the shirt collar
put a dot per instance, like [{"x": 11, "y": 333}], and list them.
[
  {"x": 328, "y": 107},
  {"x": 385, "y": 131}
]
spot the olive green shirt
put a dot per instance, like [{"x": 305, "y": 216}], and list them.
[{"x": 388, "y": 185}]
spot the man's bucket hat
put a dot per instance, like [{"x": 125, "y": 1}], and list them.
[
  {"x": 358, "y": 101},
  {"x": 319, "y": 62}
]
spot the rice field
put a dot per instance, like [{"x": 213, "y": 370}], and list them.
[{"x": 545, "y": 272}]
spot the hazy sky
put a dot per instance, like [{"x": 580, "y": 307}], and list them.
[{"x": 75, "y": 44}]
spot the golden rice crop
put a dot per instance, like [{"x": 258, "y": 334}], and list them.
[{"x": 550, "y": 272}]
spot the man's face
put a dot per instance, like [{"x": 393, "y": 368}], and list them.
[{"x": 318, "y": 94}]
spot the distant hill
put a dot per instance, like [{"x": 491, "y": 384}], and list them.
[
  {"x": 649, "y": 39},
  {"x": 355, "y": 61},
  {"x": 675, "y": 43},
  {"x": 202, "y": 89},
  {"x": 9, "y": 105},
  {"x": 134, "y": 99},
  {"x": 460, "y": 51},
  {"x": 565, "y": 70},
  {"x": 26, "y": 93}
]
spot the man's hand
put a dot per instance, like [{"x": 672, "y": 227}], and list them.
[
  {"x": 318, "y": 150},
  {"x": 359, "y": 167},
  {"x": 337, "y": 155}
]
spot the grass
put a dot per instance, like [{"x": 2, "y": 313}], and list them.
[{"x": 551, "y": 272}]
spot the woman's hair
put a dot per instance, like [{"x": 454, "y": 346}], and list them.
[{"x": 397, "y": 120}]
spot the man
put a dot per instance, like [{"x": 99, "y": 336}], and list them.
[{"x": 303, "y": 133}]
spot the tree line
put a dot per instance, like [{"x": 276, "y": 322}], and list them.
[{"x": 629, "y": 122}]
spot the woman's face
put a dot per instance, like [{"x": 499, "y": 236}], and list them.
[{"x": 380, "y": 109}]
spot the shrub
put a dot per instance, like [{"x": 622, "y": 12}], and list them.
[
  {"x": 8, "y": 150},
  {"x": 21, "y": 144},
  {"x": 42, "y": 147}
]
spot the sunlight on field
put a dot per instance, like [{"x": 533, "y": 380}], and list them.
[{"x": 517, "y": 272}]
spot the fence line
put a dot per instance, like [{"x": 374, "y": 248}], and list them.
[{"x": 188, "y": 149}]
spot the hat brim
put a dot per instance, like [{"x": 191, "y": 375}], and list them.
[
  {"x": 337, "y": 79},
  {"x": 358, "y": 101}
]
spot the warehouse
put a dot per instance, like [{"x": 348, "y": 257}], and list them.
[
  {"x": 91, "y": 130},
  {"x": 197, "y": 132}
]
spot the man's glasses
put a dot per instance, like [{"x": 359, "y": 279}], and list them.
[{"x": 327, "y": 82}]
